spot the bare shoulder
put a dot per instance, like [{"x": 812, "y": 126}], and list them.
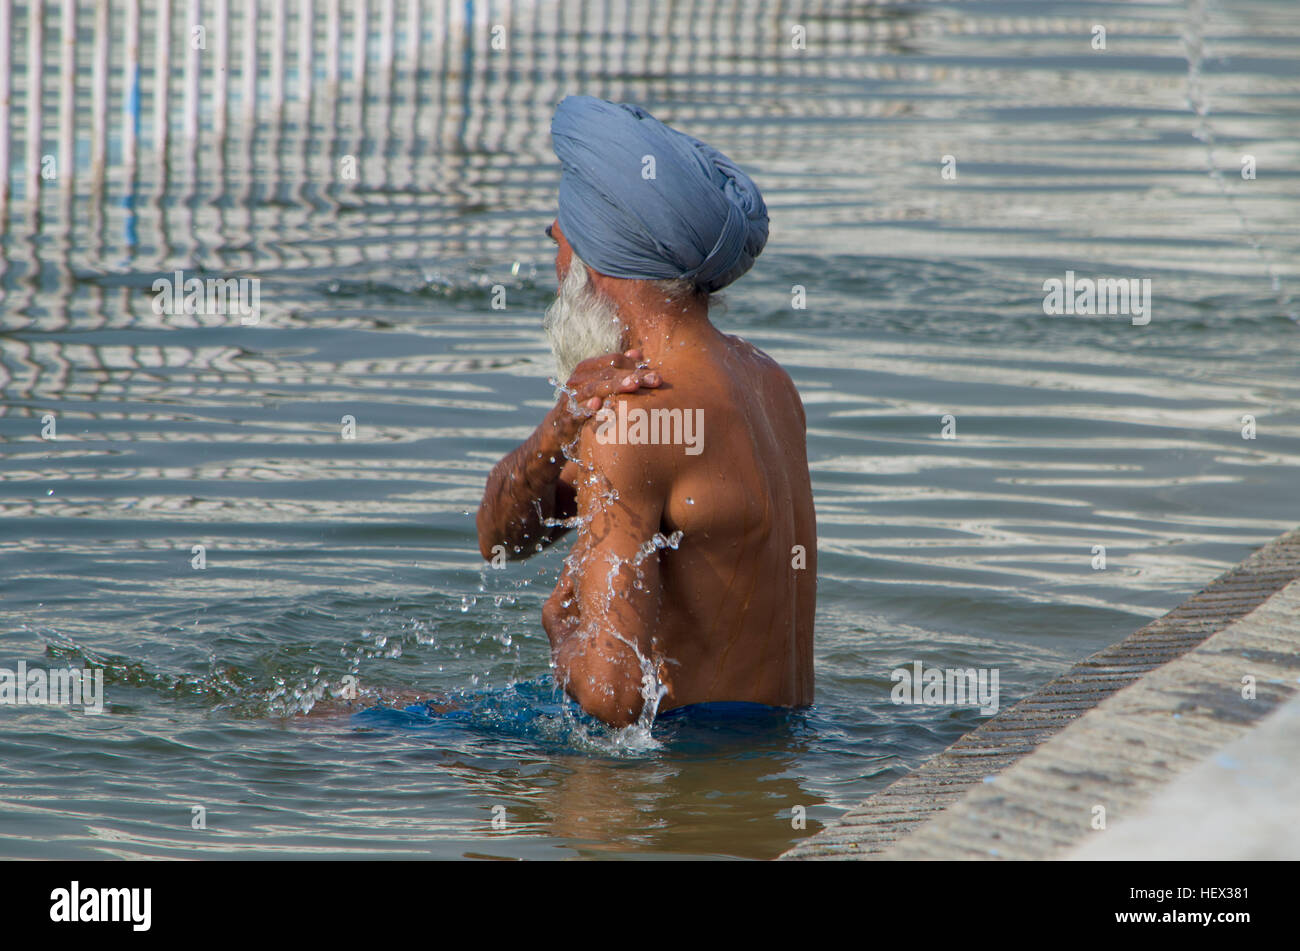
[
  {"x": 748, "y": 349},
  {"x": 758, "y": 359},
  {"x": 766, "y": 368},
  {"x": 636, "y": 438}
]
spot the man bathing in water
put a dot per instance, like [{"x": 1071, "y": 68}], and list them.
[{"x": 650, "y": 223}]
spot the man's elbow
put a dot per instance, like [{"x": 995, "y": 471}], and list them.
[
  {"x": 609, "y": 692},
  {"x": 488, "y": 543},
  {"x": 612, "y": 705},
  {"x": 493, "y": 543}
]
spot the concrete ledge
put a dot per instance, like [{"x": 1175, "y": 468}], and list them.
[
  {"x": 1243, "y": 804},
  {"x": 946, "y": 809}
]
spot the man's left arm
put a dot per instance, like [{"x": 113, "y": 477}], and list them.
[{"x": 604, "y": 655}]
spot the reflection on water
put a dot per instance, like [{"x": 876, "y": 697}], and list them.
[{"x": 328, "y": 558}]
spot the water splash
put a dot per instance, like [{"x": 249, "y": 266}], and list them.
[{"x": 274, "y": 682}]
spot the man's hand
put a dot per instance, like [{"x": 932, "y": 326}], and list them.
[{"x": 593, "y": 381}]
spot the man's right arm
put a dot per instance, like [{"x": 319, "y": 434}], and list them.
[
  {"x": 526, "y": 493},
  {"x": 533, "y": 487}
]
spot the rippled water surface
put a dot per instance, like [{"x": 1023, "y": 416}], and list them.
[{"x": 329, "y": 557}]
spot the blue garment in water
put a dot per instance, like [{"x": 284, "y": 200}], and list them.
[
  {"x": 722, "y": 708},
  {"x": 535, "y": 710},
  {"x": 641, "y": 200}
]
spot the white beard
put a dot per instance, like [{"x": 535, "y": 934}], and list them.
[{"x": 581, "y": 323}]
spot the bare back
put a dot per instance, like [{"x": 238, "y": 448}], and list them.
[{"x": 737, "y": 597}]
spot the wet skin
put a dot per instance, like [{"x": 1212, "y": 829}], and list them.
[{"x": 728, "y": 615}]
